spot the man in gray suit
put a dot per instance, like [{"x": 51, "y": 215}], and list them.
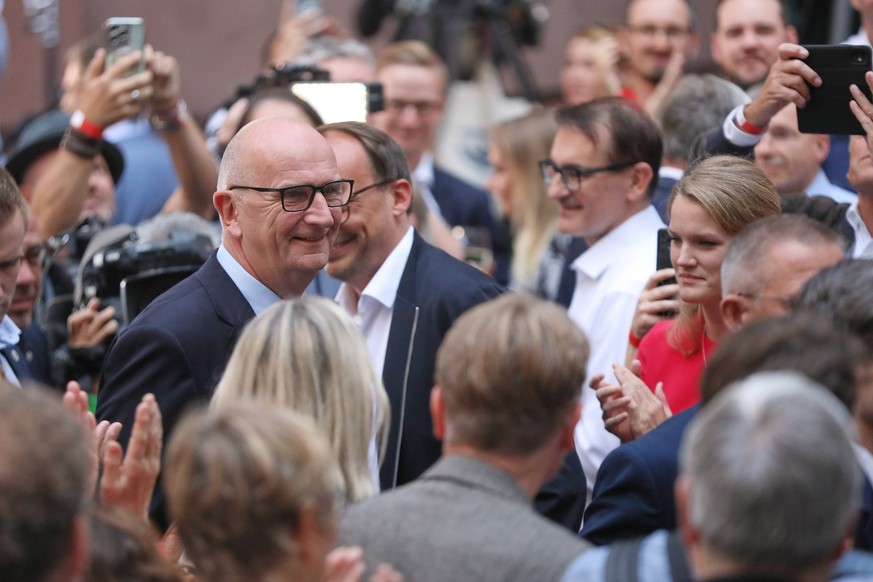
[{"x": 505, "y": 404}]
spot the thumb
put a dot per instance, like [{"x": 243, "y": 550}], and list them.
[{"x": 659, "y": 392}]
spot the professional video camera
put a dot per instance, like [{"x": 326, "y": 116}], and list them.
[{"x": 127, "y": 273}]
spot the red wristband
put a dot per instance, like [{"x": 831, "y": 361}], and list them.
[
  {"x": 83, "y": 126},
  {"x": 746, "y": 126},
  {"x": 633, "y": 340}
]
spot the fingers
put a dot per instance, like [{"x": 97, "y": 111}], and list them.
[
  {"x": 636, "y": 368},
  {"x": 611, "y": 407},
  {"x": 606, "y": 393},
  {"x": 112, "y": 461},
  {"x": 385, "y": 573},
  {"x": 615, "y": 420},
  {"x": 95, "y": 67},
  {"x": 659, "y": 276},
  {"x": 659, "y": 392},
  {"x": 595, "y": 381}
]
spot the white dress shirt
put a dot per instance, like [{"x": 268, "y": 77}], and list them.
[
  {"x": 373, "y": 312},
  {"x": 610, "y": 276},
  {"x": 862, "y": 248}
]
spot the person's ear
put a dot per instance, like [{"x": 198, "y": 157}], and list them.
[
  {"x": 225, "y": 203},
  {"x": 733, "y": 310},
  {"x": 641, "y": 176},
  {"x": 682, "y": 492},
  {"x": 791, "y": 33},
  {"x": 438, "y": 412},
  {"x": 401, "y": 191},
  {"x": 568, "y": 441}
]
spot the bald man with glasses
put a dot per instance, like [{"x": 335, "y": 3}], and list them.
[{"x": 280, "y": 199}]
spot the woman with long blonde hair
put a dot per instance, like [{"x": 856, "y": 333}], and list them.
[
  {"x": 307, "y": 355},
  {"x": 515, "y": 150}
]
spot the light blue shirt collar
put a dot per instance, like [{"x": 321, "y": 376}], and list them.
[
  {"x": 9, "y": 333},
  {"x": 258, "y": 295}
]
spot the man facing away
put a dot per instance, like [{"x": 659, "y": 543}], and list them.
[
  {"x": 403, "y": 293},
  {"x": 505, "y": 404}
]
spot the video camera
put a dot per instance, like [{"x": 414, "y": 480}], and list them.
[{"x": 332, "y": 101}]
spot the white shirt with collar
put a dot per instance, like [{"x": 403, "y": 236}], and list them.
[
  {"x": 862, "y": 248},
  {"x": 859, "y": 37},
  {"x": 9, "y": 336},
  {"x": 258, "y": 295},
  {"x": 373, "y": 312},
  {"x": 823, "y": 187},
  {"x": 610, "y": 276},
  {"x": 424, "y": 179}
]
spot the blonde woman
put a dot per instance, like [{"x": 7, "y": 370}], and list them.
[
  {"x": 516, "y": 147},
  {"x": 307, "y": 355},
  {"x": 714, "y": 201}
]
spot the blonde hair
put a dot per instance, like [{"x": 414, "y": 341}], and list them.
[
  {"x": 238, "y": 480},
  {"x": 523, "y": 142},
  {"x": 307, "y": 355},
  {"x": 734, "y": 193},
  {"x": 414, "y": 53}
]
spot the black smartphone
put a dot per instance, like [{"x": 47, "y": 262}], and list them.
[
  {"x": 839, "y": 66},
  {"x": 663, "y": 262}
]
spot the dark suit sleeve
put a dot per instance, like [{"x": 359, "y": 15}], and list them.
[
  {"x": 147, "y": 359},
  {"x": 714, "y": 143},
  {"x": 626, "y": 502}
]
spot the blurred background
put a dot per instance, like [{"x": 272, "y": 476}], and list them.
[{"x": 218, "y": 42}]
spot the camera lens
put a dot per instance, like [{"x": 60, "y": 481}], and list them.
[{"x": 858, "y": 57}]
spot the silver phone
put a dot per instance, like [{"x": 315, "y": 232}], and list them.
[{"x": 123, "y": 36}]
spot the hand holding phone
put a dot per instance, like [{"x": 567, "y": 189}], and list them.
[{"x": 828, "y": 110}]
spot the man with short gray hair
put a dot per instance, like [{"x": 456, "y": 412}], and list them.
[
  {"x": 750, "y": 496},
  {"x": 768, "y": 263}
]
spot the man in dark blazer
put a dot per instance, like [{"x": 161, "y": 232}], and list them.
[
  {"x": 415, "y": 81},
  {"x": 505, "y": 403},
  {"x": 403, "y": 293},
  {"x": 274, "y": 241},
  {"x": 634, "y": 491},
  {"x": 13, "y": 223}
]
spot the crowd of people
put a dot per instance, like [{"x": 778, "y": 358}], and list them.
[{"x": 274, "y": 348}]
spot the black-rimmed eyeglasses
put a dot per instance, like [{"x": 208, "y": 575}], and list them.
[
  {"x": 572, "y": 176},
  {"x": 299, "y": 198},
  {"x": 379, "y": 184}
]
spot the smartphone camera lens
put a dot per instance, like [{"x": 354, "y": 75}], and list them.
[{"x": 857, "y": 57}]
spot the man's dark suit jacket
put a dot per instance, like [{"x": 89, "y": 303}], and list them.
[
  {"x": 633, "y": 493},
  {"x": 462, "y": 204},
  {"x": 435, "y": 289},
  {"x": 33, "y": 345},
  {"x": 177, "y": 349}
]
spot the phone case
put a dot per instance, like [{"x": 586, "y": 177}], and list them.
[
  {"x": 839, "y": 66},
  {"x": 124, "y": 35}
]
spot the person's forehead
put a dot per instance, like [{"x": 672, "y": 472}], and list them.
[
  {"x": 734, "y": 13},
  {"x": 642, "y": 12},
  {"x": 412, "y": 79},
  {"x": 572, "y": 146}
]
